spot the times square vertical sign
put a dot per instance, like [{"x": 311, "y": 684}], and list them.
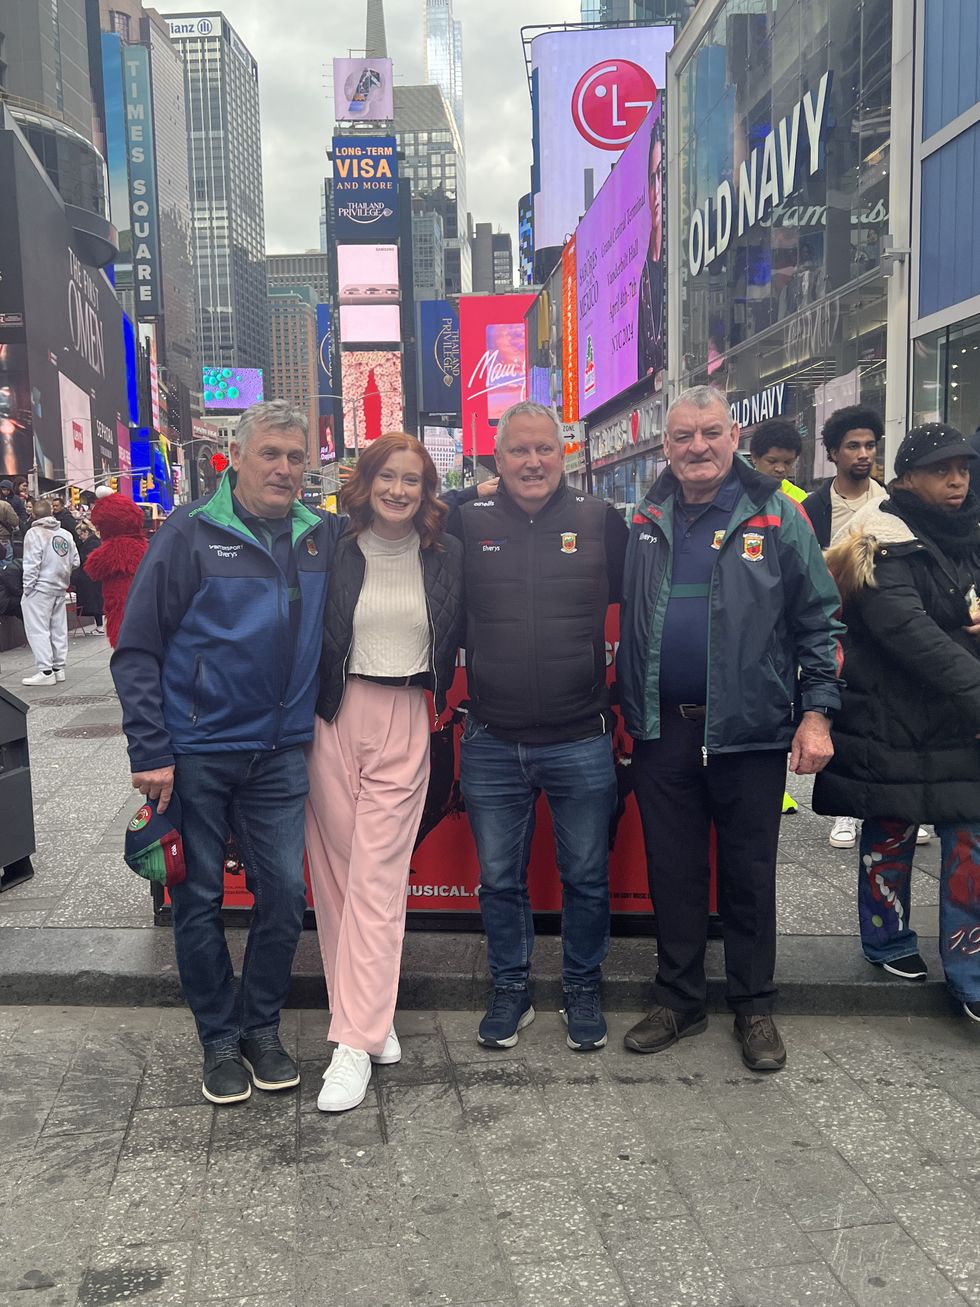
[{"x": 142, "y": 180}]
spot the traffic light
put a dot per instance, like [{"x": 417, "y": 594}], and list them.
[
  {"x": 113, "y": 483},
  {"x": 75, "y": 495}
]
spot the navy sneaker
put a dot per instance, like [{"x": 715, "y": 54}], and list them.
[
  {"x": 270, "y": 1065},
  {"x": 583, "y": 1017},
  {"x": 510, "y": 1010}
]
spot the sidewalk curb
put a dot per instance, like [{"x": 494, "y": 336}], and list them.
[{"x": 817, "y": 975}]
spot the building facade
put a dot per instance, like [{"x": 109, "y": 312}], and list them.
[
  {"x": 221, "y": 86},
  {"x": 779, "y": 283},
  {"x": 493, "y": 259},
  {"x": 293, "y": 355},
  {"x": 443, "y": 49},
  {"x": 945, "y": 267},
  {"x": 311, "y": 268},
  {"x": 651, "y": 11},
  {"x": 428, "y": 256},
  {"x": 46, "y": 59}
]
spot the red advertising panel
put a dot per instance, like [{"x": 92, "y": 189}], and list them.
[
  {"x": 493, "y": 363},
  {"x": 371, "y": 381},
  {"x": 569, "y": 343}
]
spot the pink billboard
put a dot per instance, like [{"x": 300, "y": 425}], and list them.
[
  {"x": 493, "y": 363},
  {"x": 371, "y": 381},
  {"x": 620, "y": 272}
]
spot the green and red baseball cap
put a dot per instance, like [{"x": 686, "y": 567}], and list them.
[{"x": 154, "y": 848}]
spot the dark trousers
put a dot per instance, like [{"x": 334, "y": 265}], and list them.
[{"x": 679, "y": 798}]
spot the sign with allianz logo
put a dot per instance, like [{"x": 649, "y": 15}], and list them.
[{"x": 788, "y": 156}]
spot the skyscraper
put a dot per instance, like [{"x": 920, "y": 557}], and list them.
[
  {"x": 221, "y": 84},
  {"x": 310, "y": 268},
  {"x": 444, "y": 55},
  {"x": 651, "y": 11},
  {"x": 293, "y": 357},
  {"x": 493, "y": 259}
]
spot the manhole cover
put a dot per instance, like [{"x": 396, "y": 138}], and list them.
[{"x": 94, "y": 731}]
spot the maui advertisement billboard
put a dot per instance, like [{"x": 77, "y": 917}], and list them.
[
  {"x": 591, "y": 90},
  {"x": 493, "y": 363},
  {"x": 365, "y": 188},
  {"x": 363, "y": 90},
  {"x": 438, "y": 336},
  {"x": 620, "y": 274}
]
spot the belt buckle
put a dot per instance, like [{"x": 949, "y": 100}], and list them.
[{"x": 689, "y": 711}]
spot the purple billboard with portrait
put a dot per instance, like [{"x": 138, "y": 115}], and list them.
[{"x": 621, "y": 274}]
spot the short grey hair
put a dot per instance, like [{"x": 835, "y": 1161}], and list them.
[
  {"x": 527, "y": 408},
  {"x": 274, "y": 415},
  {"x": 701, "y": 397}
]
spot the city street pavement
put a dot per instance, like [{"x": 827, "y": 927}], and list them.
[
  {"x": 535, "y": 1177},
  {"x": 82, "y": 930}
]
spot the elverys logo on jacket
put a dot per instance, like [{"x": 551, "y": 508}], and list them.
[{"x": 227, "y": 551}]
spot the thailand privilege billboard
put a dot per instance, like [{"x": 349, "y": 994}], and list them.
[
  {"x": 365, "y": 188},
  {"x": 438, "y": 337},
  {"x": 619, "y": 267},
  {"x": 592, "y": 89}
]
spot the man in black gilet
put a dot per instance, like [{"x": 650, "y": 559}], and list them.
[{"x": 542, "y": 564}]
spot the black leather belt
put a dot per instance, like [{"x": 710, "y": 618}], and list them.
[
  {"x": 402, "y": 682},
  {"x": 692, "y": 712}
]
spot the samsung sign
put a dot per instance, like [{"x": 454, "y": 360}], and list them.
[
  {"x": 142, "y": 181},
  {"x": 789, "y": 155}
]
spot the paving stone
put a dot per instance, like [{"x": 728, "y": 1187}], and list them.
[
  {"x": 156, "y": 1273},
  {"x": 452, "y": 1277},
  {"x": 264, "y": 1264},
  {"x": 811, "y": 1285},
  {"x": 881, "y": 1264},
  {"x": 578, "y": 1282},
  {"x": 369, "y": 1277},
  {"x": 945, "y": 1223},
  {"x": 669, "y": 1264},
  {"x": 543, "y": 1218}
]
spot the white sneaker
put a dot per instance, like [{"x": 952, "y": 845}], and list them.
[
  {"x": 345, "y": 1080},
  {"x": 391, "y": 1053},
  {"x": 843, "y": 834},
  {"x": 59, "y": 673},
  {"x": 40, "y": 678},
  {"x": 923, "y": 835}
]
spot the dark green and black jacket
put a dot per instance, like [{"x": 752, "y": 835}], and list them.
[{"x": 773, "y": 637}]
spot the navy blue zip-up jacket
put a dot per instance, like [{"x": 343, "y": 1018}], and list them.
[{"x": 206, "y": 661}]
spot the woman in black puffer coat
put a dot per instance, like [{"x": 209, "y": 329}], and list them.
[{"x": 906, "y": 747}]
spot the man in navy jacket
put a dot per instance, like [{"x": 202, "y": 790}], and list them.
[{"x": 216, "y": 668}]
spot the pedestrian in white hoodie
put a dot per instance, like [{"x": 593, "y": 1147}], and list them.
[{"x": 50, "y": 557}]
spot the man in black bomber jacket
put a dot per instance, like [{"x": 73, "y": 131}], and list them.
[{"x": 541, "y": 565}]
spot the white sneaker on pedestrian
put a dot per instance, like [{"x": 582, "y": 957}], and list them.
[
  {"x": 345, "y": 1080},
  {"x": 59, "y": 673},
  {"x": 100, "y": 630},
  {"x": 391, "y": 1053},
  {"x": 40, "y": 678},
  {"x": 843, "y": 834},
  {"x": 923, "y": 835}
]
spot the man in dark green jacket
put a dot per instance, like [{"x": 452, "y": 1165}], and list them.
[{"x": 728, "y": 659}]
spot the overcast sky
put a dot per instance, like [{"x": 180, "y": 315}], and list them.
[{"x": 294, "y": 42}]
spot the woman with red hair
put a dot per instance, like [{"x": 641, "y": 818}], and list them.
[{"x": 391, "y": 630}]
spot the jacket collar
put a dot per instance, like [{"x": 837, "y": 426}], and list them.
[
  {"x": 220, "y": 510},
  {"x": 513, "y": 507}
]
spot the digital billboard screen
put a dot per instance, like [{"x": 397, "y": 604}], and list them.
[
  {"x": 438, "y": 337},
  {"x": 365, "y": 187},
  {"x": 493, "y": 363},
  {"x": 368, "y": 324},
  {"x": 372, "y": 384},
  {"x": 232, "y": 389},
  {"x": 367, "y": 274},
  {"x": 363, "y": 90},
  {"x": 592, "y": 89},
  {"x": 620, "y": 272}
]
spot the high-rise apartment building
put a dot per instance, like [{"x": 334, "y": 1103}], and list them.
[
  {"x": 444, "y": 55},
  {"x": 293, "y": 355},
  {"x": 141, "y": 126},
  {"x": 651, "y": 11},
  {"x": 428, "y": 256},
  {"x": 493, "y": 259},
  {"x": 221, "y": 86},
  {"x": 311, "y": 268}
]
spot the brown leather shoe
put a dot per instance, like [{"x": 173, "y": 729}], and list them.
[
  {"x": 662, "y": 1028},
  {"x": 762, "y": 1047}
]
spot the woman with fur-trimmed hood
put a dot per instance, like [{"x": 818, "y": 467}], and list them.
[{"x": 907, "y": 738}]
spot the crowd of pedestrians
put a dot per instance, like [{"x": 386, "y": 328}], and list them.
[{"x": 273, "y": 664}]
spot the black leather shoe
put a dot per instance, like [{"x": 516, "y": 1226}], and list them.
[
  {"x": 662, "y": 1028},
  {"x": 225, "y": 1077},
  {"x": 762, "y": 1047},
  {"x": 271, "y": 1066}
]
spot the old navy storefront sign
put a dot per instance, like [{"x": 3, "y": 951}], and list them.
[
  {"x": 760, "y": 407},
  {"x": 790, "y": 154}
]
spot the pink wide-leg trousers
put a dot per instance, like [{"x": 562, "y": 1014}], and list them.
[{"x": 368, "y": 769}]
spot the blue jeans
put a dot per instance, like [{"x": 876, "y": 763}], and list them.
[
  {"x": 884, "y": 898},
  {"x": 501, "y": 783},
  {"x": 261, "y": 798}
]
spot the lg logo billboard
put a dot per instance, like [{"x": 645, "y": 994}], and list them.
[{"x": 610, "y": 101}]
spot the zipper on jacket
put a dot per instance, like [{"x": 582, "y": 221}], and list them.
[
  {"x": 432, "y": 640},
  {"x": 198, "y": 686},
  {"x": 532, "y": 649}
]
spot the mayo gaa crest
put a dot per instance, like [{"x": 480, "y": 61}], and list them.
[
  {"x": 141, "y": 817},
  {"x": 568, "y": 542},
  {"x": 752, "y": 546}
]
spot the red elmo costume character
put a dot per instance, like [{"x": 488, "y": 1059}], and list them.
[{"x": 114, "y": 563}]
